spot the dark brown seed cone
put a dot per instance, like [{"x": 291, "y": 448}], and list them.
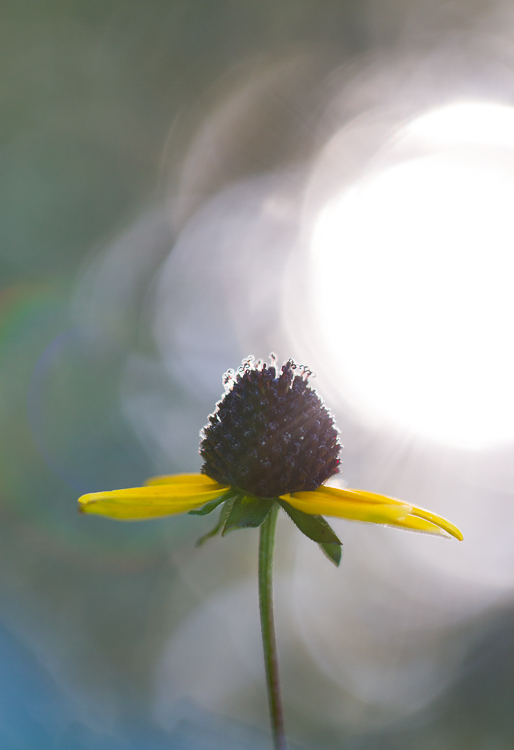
[{"x": 270, "y": 434}]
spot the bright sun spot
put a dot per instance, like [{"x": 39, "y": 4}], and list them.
[{"x": 413, "y": 280}]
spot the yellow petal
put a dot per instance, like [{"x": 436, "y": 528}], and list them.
[
  {"x": 359, "y": 505},
  {"x": 419, "y": 524},
  {"x": 200, "y": 479},
  {"x": 318, "y": 504},
  {"x": 439, "y": 521},
  {"x": 359, "y": 495},
  {"x": 139, "y": 503}
]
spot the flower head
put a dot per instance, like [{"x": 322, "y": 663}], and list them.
[
  {"x": 270, "y": 434},
  {"x": 270, "y": 440}
]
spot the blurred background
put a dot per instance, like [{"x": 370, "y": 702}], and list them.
[{"x": 184, "y": 183}]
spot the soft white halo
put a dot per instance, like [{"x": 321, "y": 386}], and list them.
[{"x": 413, "y": 274}]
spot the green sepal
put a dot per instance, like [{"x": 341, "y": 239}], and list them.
[
  {"x": 332, "y": 550},
  {"x": 212, "y": 504},
  {"x": 248, "y": 512},
  {"x": 224, "y": 514},
  {"x": 317, "y": 529}
]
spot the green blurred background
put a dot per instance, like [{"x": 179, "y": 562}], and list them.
[{"x": 121, "y": 120}]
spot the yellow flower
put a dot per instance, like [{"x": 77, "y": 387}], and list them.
[
  {"x": 170, "y": 495},
  {"x": 270, "y": 443},
  {"x": 270, "y": 440}
]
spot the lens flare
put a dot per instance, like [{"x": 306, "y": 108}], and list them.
[{"x": 412, "y": 279}]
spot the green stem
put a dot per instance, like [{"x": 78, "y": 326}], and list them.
[{"x": 266, "y": 544}]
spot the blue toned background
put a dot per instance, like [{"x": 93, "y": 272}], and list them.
[{"x": 184, "y": 183}]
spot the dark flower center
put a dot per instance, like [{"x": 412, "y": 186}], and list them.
[{"x": 270, "y": 434}]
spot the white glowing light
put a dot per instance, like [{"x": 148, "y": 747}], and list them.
[
  {"x": 413, "y": 280},
  {"x": 467, "y": 123}
]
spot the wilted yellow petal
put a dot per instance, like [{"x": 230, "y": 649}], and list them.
[
  {"x": 200, "y": 479},
  {"x": 439, "y": 521},
  {"x": 319, "y": 504},
  {"x": 359, "y": 505},
  {"x": 139, "y": 503},
  {"x": 359, "y": 495},
  {"x": 419, "y": 524}
]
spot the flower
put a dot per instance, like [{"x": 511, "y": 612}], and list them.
[{"x": 270, "y": 440}]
